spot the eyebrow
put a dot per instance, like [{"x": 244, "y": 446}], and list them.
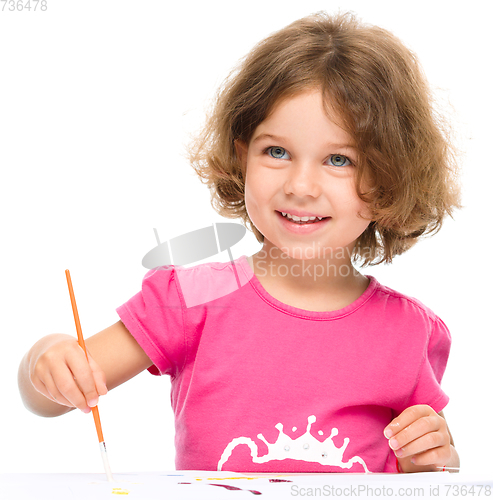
[
  {"x": 283, "y": 139},
  {"x": 268, "y": 136}
]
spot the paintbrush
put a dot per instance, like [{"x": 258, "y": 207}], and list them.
[{"x": 95, "y": 411}]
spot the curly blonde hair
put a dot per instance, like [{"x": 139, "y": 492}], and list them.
[{"x": 376, "y": 85}]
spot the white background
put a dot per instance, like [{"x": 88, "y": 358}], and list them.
[{"x": 97, "y": 101}]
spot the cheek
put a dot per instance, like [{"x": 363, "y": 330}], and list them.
[
  {"x": 349, "y": 207},
  {"x": 361, "y": 215},
  {"x": 253, "y": 194},
  {"x": 248, "y": 199},
  {"x": 256, "y": 184},
  {"x": 355, "y": 203},
  {"x": 364, "y": 211}
]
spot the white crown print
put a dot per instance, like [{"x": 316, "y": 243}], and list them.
[{"x": 306, "y": 448}]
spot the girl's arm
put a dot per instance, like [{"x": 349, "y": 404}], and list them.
[{"x": 54, "y": 376}]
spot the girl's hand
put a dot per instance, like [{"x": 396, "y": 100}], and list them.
[
  {"x": 62, "y": 373},
  {"x": 420, "y": 439}
]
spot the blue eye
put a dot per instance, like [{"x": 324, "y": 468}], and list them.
[
  {"x": 339, "y": 160},
  {"x": 277, "y": 152}
]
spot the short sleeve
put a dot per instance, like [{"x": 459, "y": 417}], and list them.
[
  {"x": 154, "y": 317},
  {"x": 428, "y": 390}
]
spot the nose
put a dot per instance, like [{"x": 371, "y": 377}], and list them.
[{"x": 303, "y": 180}]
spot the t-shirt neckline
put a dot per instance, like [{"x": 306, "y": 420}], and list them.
[{"x": 295, "y": 311}]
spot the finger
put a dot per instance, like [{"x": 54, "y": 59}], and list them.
[
  {"x": 39, "y": 385},
  {"x": 68, "y": 388},
  {"x": 440, "y": 455},
  {"x": 55, "y": 394},
  {"x": 426, "y": 442},
  {"x": 51, "y": 394},
  {"x": 84, "y": 378},
  {"x": 421, "y": 427},
  {"x": 407, "y": 417}
]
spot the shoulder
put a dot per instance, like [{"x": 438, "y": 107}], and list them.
[
  {"x": 205, "y": 282},
  {"x": 224, "y": 271},
  {"x": 402, "y": 300},
  {"x": 411, "y": 318}
]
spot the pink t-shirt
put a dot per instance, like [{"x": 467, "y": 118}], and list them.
[{"x": 261, "y": 386}]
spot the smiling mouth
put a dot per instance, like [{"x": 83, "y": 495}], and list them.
[{"x": 301, "y": 222}]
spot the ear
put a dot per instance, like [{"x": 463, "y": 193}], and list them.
[{"x": 241, "y": 148}]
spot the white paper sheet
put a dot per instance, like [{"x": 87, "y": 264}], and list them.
[{"x": 203, "y": 485}]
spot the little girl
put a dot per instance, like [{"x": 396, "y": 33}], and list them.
[{"x": 325, "y": 144}]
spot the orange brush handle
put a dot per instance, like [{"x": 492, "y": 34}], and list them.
[
  {"x": 80, "y": 339},
  {"x": 97, "y": 421}
]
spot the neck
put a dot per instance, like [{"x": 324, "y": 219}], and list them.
[{"x": 326, "y": 270}]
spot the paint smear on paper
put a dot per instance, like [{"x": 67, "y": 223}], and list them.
[
  {"x": 227, "y": 478},
  {"x": 231, "y": 488},
  {"x": 120, "y": 491},
  {"x": 228, "y": 487}
]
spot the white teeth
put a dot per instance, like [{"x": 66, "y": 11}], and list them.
[{"x": 303, "y": 219}]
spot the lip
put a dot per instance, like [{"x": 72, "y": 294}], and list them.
[
  {"x": 301, "y": 229},
  {"x": 299, "y": 213}
]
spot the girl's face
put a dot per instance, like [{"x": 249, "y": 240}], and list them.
[{"x": 301, "y": 163}]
